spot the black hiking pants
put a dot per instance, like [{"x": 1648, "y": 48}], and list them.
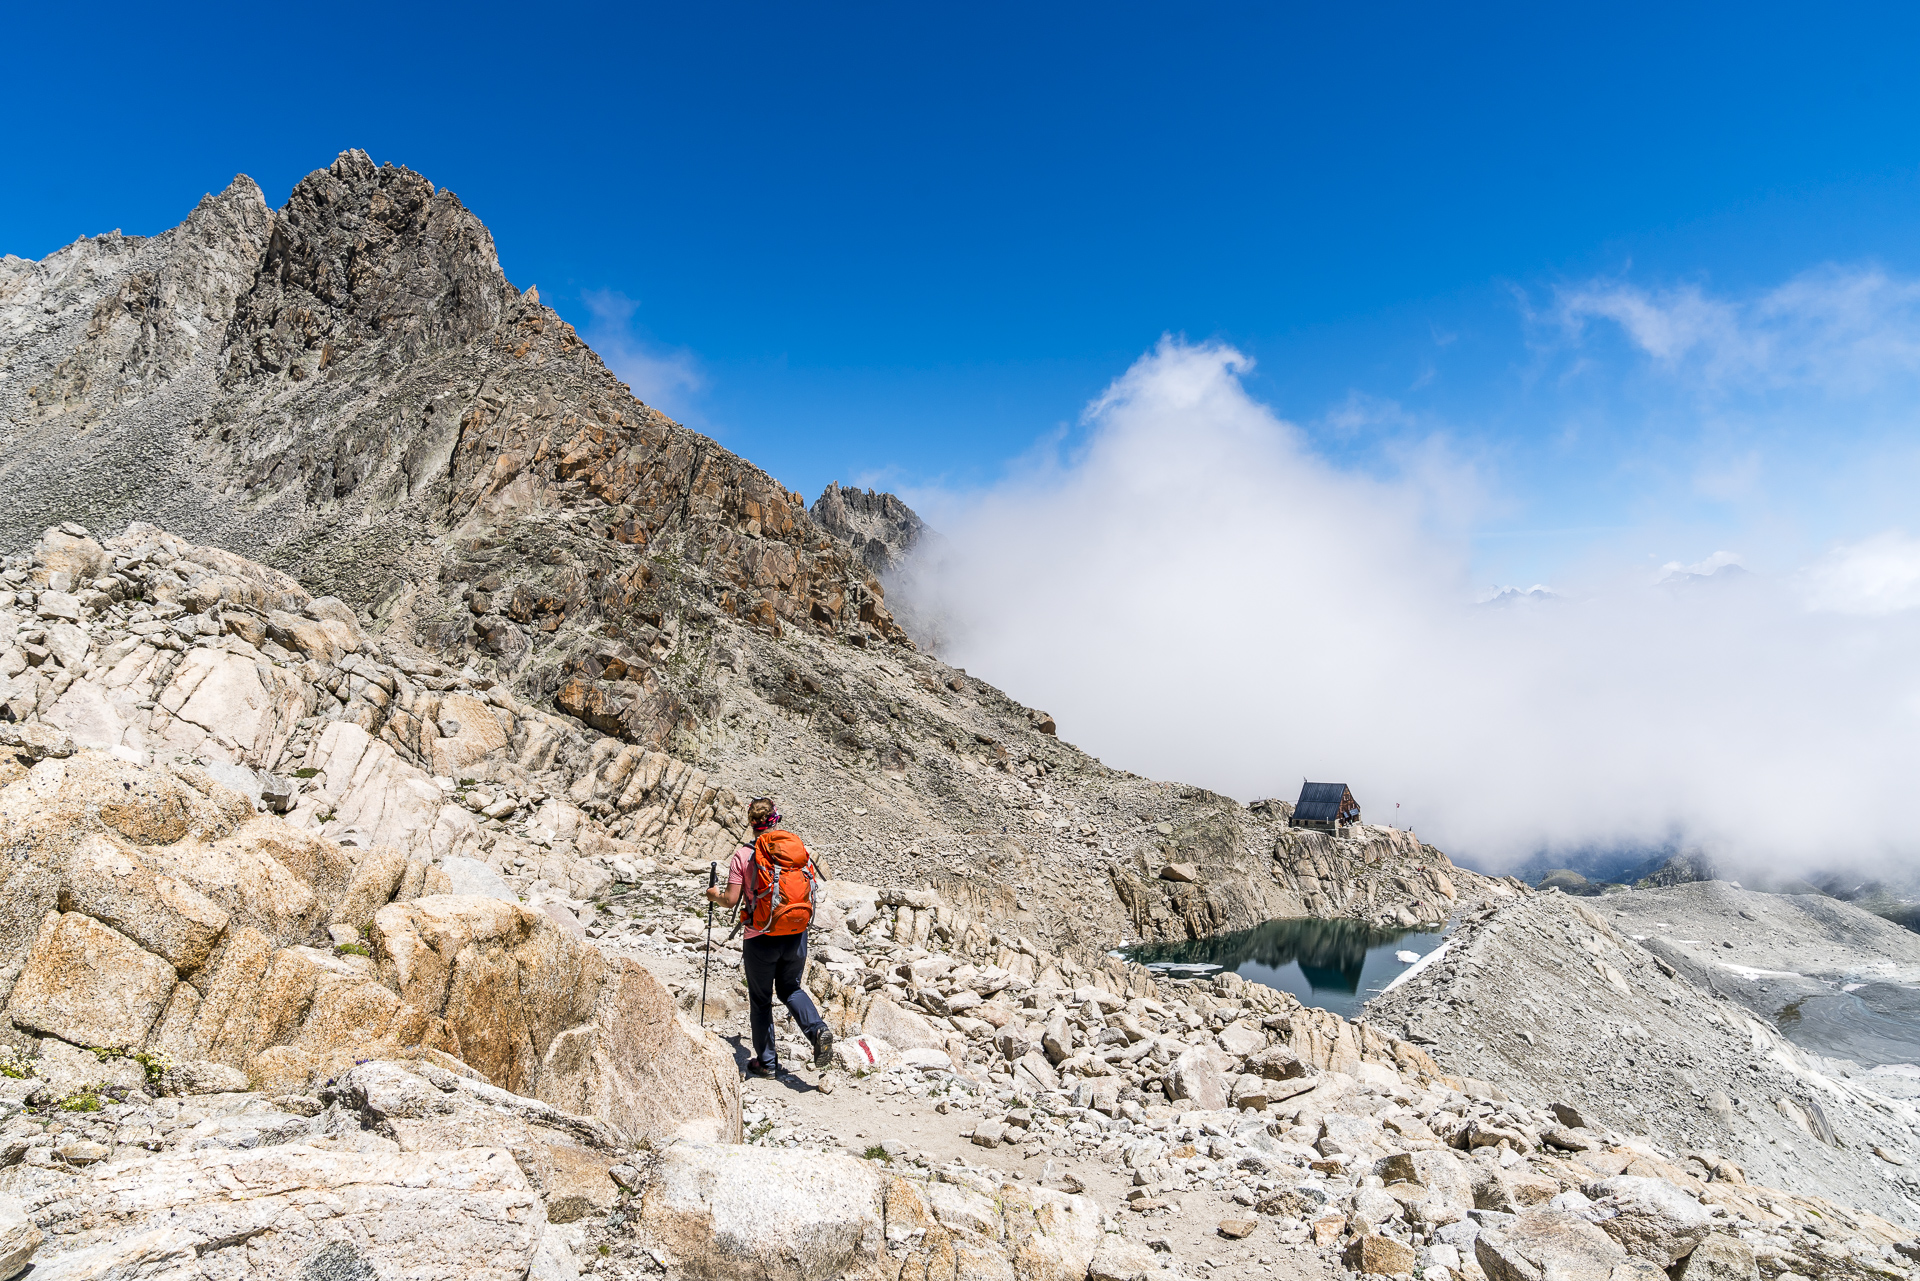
[{"x": 775, "y": 963}]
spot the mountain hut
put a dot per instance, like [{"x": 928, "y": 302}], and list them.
[{"x": 1325, "y": 807}]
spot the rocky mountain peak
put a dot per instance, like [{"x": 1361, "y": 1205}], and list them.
[
  {"x": 350, "y": 387},
  {"x": 883, "y": 529},
  {"x": 366, "y": 255},
  {"x": 112, "y": 318}
]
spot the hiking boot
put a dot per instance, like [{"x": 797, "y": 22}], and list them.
[
  {"x": 761, "y": 1070},
  {"x": 823, "y": 1049}
]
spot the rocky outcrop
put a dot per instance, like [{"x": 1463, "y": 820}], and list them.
[
  {"x": 714, "y": 1213},
  {"x": 364, "y": 256},
  {"x": 1194, "y": 883},
  {"x": 110, "y": 319},
  {"x": 454, "y": 1215},
  {"x": 395, "y": 1169},
  {"x": 178, "y": 651},
  {"x": 155, "y": 913},
  {"x": 879, "y": 526},
  {"x": 1542, "y": 1242}
]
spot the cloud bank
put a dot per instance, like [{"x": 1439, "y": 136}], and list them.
[{"x": 1195, "y": 595}]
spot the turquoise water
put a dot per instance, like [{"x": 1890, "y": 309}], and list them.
[{"x": 1335, "y": 965}]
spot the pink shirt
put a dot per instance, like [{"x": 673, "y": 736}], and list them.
[{"x": 738, "y": 869}]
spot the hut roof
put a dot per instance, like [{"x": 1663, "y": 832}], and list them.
[{"x": 1320, "y": 802}]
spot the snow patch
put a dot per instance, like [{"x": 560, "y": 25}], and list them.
[
  {"x": 1419, "y": 965},
  {"x": 1750, "y": 974}
]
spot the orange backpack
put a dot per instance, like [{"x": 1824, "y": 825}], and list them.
[{"x": 779, "y": 890}]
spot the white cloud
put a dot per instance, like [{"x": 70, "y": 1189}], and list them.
[
  {"x": 668, "y": 378},
  {"x": 1717, "y": 561},
  {"x": 1874, "y": 577},
  {"x": 1845, "y": 331},
  {"x": 1195, "y": 595}
]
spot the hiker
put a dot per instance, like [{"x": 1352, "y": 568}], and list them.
[{"x": 776, "y": 878}]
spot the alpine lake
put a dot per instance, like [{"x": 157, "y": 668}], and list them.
[{"x": 1333, "y": 964}]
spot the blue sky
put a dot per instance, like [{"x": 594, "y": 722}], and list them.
[
  {"x": 902, "y": 244},
  {"x": 1172, "y": 316}
]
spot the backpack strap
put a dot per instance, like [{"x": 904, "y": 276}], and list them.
[{"x": 749, "y": 896}]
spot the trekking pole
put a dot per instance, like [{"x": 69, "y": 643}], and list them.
[{"x": 713, "y": 879}]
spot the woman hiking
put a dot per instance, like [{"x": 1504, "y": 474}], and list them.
[{"x": 775, "y": 878}]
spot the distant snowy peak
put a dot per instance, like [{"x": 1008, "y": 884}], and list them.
[
  {"x": 1712, "y": 574},
  {"x": 1720, "y": 568},
  {"x": 1687, "y": 579},
  {"x": 1507, "y": 597}
]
